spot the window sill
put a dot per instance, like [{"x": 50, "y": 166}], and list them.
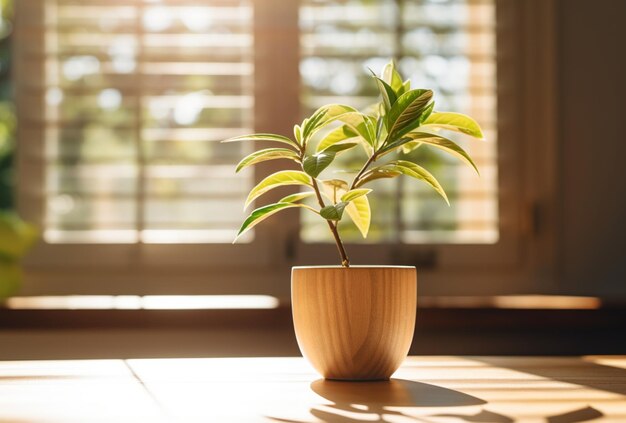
[{"x": 445, "y": 313}]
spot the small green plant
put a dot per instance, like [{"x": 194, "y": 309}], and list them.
[{"x": 403, "y": 120}]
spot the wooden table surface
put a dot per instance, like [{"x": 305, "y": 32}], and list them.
[{"x": 425, "y": 389}]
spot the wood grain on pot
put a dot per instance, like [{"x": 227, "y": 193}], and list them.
[{"x": 354, "y": 323}]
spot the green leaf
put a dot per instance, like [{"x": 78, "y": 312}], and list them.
[
  {"x": 392, "y": 77},
  {"x": 282, "y": 178},
  {"x": 386, "y": 92},
  {"x": 265, "y": 137},
  {"x": 354, "y": 194},
  {"x": 262, "y": 213},
  {"x": 333, "y": 212},
  {"x": 292, "y": 198},
  {"x": 454, "y": 122},
  {"x": 442, "y": 143},
  {"x": 315, "y": 164},
  {"x": 360, "y": 213},
  {"x": 415, "y": 171},
  {"x": 267, "y": 154},
  {"x": 404, "y": 115},
  {"x": 337, "y": 135}
]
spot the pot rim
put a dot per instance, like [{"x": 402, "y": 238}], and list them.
[{"x": 354, "y": 266}]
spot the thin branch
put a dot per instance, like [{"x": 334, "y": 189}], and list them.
[
  {"x": 345, "y": 261},
  {"x": 369, "y": 161}
]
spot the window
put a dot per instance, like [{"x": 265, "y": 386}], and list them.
[
  {"x": 122, "y": 103},
  {"x": 122, "y": 106}
]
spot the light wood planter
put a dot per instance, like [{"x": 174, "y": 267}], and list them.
[{"x": 354, "y": 323}]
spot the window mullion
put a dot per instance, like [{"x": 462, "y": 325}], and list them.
[{"x": 276, "y": 99}]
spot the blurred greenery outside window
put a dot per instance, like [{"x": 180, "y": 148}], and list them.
[
  {"x": 7, "y": 112},
  {"x": 138, "y": 95}
]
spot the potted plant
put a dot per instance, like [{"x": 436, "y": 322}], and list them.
[{"x": 355, "y": 322}]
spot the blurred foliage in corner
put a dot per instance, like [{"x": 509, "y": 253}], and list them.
[
  {"x": 7, "y": 110},
  {"x": 16, "y": 236}
]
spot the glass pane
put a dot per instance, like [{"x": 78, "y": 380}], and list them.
[{"x": 138, "y": 95}]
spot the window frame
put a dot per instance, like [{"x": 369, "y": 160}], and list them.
[{"x": 523, "y": 260}]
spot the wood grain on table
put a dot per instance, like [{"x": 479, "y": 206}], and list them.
[{"x": 425, "y": 389}]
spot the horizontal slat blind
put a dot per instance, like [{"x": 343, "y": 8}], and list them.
[
  {"x": 448, "y": 46},
  {"x": 137, "y": 96}
]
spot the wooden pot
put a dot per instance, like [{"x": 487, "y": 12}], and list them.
[{"x": 354, "y": 323}]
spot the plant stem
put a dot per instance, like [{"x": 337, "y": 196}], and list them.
[
  {"x": 345, "y": 261},
  {"x": 369, "y": 161}
]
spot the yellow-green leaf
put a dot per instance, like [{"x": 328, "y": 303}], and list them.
[
  {"x": 358, "y": 209},
  {"x": 362, "y": 124},
  {"x": 265, "y": 155},
  {"x": 454, "y": 122},
  {"x": 340, "y": 147},
  {"x": 360, "y": 213},
  {"x": 262, "y": 213},
  {"x": 282, "y": 178},
  {"x": 410, "y": 146},
  {"x": 407, "y": 138},
  {"x": 322, "y": 117},
  {"x": 264, "y": 137},
  {"x": 336, "y": 136},
  {"x": 392, "y": 77},
  {"x": 415, "y": 171},
  {"x": 438, "y": 141},
  {"x": 335, "y": 183},
  {"x": 297, "y": 133},
  {"x": 377, "y": 173},
  {"x": 354, "y": 194},
  {"x": 334, "y": 188},
  {"x": 387, "y": 93},
  {"x": 292, "y": 198}
]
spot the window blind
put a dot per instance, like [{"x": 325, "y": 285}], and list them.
[
  {"x": 446, "y": 45},
  {"x": 138, "y": 94}
]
